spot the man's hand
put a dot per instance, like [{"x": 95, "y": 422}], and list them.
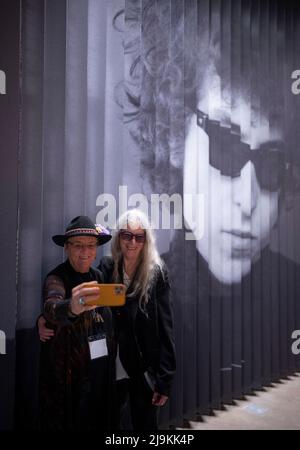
[
  {"x": 82, "y": 296},
  {"x": 44, "y": 332},
  {"x": 159, "y": 399}
]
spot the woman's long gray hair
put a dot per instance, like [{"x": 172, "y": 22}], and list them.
[{"x": 149, "y": 256}]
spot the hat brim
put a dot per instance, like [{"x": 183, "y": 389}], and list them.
[{"x": 60, "y": 239}]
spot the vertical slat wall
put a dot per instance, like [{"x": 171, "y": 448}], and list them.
[
  {"x": 83, "y": 135},
  {"x": 233, "y": 332}
]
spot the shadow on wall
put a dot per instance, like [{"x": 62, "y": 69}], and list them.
[
  {"x": 27, "y": 369},
  {"x": 7, "y": 362}
]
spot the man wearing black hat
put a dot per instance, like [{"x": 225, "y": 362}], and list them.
[{"x": 76, "y": 365}]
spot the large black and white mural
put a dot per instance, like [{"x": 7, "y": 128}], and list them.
[
  {"x": 210, "y": 100},
  {"x": 190, "y": 110}
]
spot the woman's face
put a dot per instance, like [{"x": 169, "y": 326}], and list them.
[
  {"x": 236, "y": 213},
  {"x": 132, "y": 242}
]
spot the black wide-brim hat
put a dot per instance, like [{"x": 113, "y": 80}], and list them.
[{"x": 83, "y": 226}]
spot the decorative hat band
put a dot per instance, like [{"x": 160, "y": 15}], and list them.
[{"x": 81, "y": 230}]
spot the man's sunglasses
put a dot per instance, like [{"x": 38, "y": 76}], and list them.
[
  {"x": 228, "y": 154},
  {"x": 128, "y": 236}
]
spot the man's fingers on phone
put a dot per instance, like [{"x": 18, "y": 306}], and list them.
[
  {"x": 88, "y": 294},
  {"x": 89, "y": 300},
  {"x": 81, "y": 287}
]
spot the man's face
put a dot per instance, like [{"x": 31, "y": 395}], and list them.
[
  {"x": 81, "y": 251},
  {"x": 239, "y": 211}
]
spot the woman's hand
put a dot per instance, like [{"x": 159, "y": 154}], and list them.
[
  {"x": 44, "y": 332},
  {"x": 159, "y": 399},
  {"x": 82, "y": 296}
]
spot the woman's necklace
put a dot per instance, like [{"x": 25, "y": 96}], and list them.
[{"x": 126, "y": 278}]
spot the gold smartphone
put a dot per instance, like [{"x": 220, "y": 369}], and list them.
[{"x": 109, "y": 294}]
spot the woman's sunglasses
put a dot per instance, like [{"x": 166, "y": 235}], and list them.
[
  {"x": 128, "y": 236},
  {"x": 228, "y": 154}
]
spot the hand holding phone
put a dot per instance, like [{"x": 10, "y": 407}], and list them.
[{"x": 109, "y": 295}]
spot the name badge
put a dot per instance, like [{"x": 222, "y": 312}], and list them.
[{"x": 98, "y": 346}]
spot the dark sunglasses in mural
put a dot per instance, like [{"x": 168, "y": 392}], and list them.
[
  {"x": 128, "y": 236},
  {"x": 269, "y": 159}
]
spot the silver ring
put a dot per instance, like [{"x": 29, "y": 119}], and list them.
[{"x": 81, "y": 301}]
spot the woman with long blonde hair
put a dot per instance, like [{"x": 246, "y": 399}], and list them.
[{"x": 146, "y": 352}]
